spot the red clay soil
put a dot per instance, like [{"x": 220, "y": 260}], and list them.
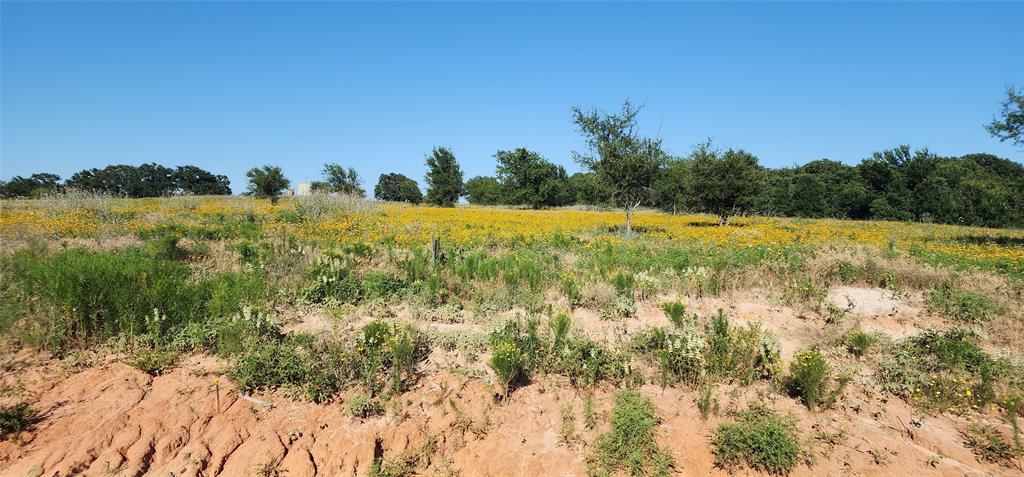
[{"x": 112, "y": 419}]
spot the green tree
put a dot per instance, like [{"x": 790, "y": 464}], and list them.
[
  {"x": 724, "y": 184},
  {"x": 396, "y": 187},
  {"x": 29, "y": 187},
  {"x": 1008, "y": 125},
  {"x": 444, "y": 178},
  {"x": 807, "y": 194},
  {"x": 339, "y": 180},
  {"x": 588, "y": 189},
  {"x": 484, "y": 190},
  {"x": 267, "y": 182},
  {"x": 620, "y": 156},
  {"x": 670, "y": 186},
  {"x": 195, "y": 181},
  {"x": 529, "y": 179}
]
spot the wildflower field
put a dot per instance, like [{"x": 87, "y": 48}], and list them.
[
  {"x": 779, "y": 345},
  {"x": 327, "y": 222}
]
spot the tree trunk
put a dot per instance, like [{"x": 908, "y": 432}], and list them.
[
  {"x": 723, "y": 220},
  {"x": 629, "y": 222}
]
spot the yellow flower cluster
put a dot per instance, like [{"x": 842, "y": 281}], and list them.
[{"x": 405, "y": 224}]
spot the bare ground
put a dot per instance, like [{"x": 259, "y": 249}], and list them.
[{"x": 112, "y": 419}]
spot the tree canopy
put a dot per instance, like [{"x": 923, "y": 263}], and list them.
[
  {"x": 30, "y": 187},
  {"x": 485, "y": 190},
  {"x": 267, "y": 182},
  {"x": 396, "y": 187},
  {"x": 444, "y": 178},
  {"x": 529, "y": 179},
  {"x": 623, "y": 159},
  {"x": 339, "y": 180},
  {"x": 1008, "y": 125},
  {"x": 723, "y": 184},
  {"x": 149, "y": 180}
]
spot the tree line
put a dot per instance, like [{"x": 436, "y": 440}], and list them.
[
  {"x": 628, "y": 170},
  {"x": 146, "y": 180}
]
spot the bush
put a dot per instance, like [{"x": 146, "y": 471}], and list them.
[
  {"x": 989, "y": 445},
  {"x": 942, "y": 371},
  {"x": 382, "y": 285},
  {"x": 847, "y": 272},
  {"x": 16, "y": 419},
  {"x": 586, "y": 362},
  {"x": 761, "y": 439},
  {"x": 682, "y": 356},
  {"x": 858, "y": 342},
  {"x": 389, "y": 350},
  {"x": 153, "y": 361},
  {"x": 302, "y": 362},
  {"x": 629, "y": 445},
  {"x": 966, "y": 307},
  {"x": 809, "y": 374},
  {"x": 560, "y": 326},
  {"x": 332, "y": 279},
  {"x": 624, "y": 283},
  {"x": 525, "y": 335},
  {"x": 363, "y": 406},
  {"x": 743, "y": 354},
  {"x": 677, "y": 315},
  {"x": 165, "y": 247},
  {"x": 508, "y": 364}
]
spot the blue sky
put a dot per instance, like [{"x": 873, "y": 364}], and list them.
[{"x": 229, "y": 86}]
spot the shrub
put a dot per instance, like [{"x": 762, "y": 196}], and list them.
[
  {"x": 586, "y": 362},
  {"x": 508, "y": 363},
  {"x": 560, "y": 326},
  {"x": 332, "y": 279},
  {"x": 623, "y": 306},
  {"x": 943, "y": 371},
  {"x": 707, "y": 403},
  {"x": 743, "y": 354},
  {"x": 165, "y": 247},
  {"x": 382, "y": 285},
  {"x": 847, "y": 272},
  {"x": 363, "y": 406},
  {"x": 761, "y": 439},
  {"x": 16, "y": 419},
  {"x": 677, "y": 315},
  {"x": 682, "y": 356},
  {"x": 858, "y": 342},
  {"x": 153, "y": 361},
  {"x": 629, "y": 445},
  {"x": 525, "y": 335},
  {"x": 808, "y": 377},
  {"x": 572, "y": 292},
  {"x": 389, "y": 350},
  {"x": 302, "y": 362},
  {"x": 624, "y": 283}
]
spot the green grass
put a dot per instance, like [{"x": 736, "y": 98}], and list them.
[
  {"x": 760, "y": 439},
  {"x": 629, "y": 446},
  {"x": 78, "y": 298},
  {"x": 963, "y": 306}
]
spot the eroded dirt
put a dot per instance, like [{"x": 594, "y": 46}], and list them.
[{"x": 111, "y": 419}]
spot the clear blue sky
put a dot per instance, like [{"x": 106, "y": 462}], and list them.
[{"x": 229, "y": 86}]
